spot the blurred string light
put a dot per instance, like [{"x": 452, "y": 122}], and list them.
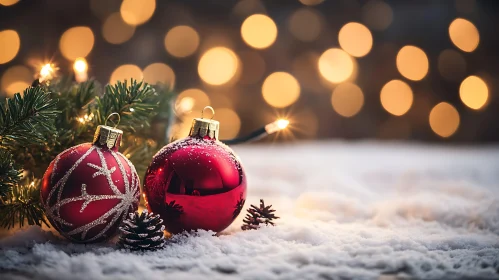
[
  {"x": 16, "y": 79},
  {"x": 335, "y": 65},
  {"x": 377, "y": 14},
  {"x": 280, "y": 89},
  {"x": 137, "y": 12},
  {"x": 412, "y": 63},
  {"x": 231, "y": 123},
  {"x": 8, "y": 2},
  {"x": 192, "y": 99},
  {"x": 355, "y": 39},
  {"x": 444, "y": 119},
  {"x": 80, "y": 67},
  {"x": 76, "y": 42},
  {"x": 115, "y": 30},
  {"x": 47, "y": 72},
  {"x": 259, "y": 31},
  {"x": 9, "y": 45},
  {"x": 271, "y": 128},
  {"x": 86, "y": 118},
  {"x": 125, "y": 72},
  {"x": 396, "y": 97},
  {"x": 347, "y": 99},
  {"x": 156, "y": 73},
  {"x": 305, "y": 24},
  {"x": 464, "y": 35},
  {"x": 218, "y": 65},
  {"x": 311, "y": 2},
  {"x": 253, "y": 67},
  {"x": 451, "y": 65},
  {"x": 474, "y": 92},
  {"x": 181, "y": 41}
]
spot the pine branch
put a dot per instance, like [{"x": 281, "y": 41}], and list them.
[
  {"x": 9, "y": 174},
  {"x": 27, "y": 119}
]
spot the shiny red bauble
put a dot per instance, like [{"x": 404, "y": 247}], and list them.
[
  {"x": 87, "y": 190},
  {"x": 195, "y": 183}
]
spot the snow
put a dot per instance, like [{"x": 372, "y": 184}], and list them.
[{"x": 348, "y": 210}]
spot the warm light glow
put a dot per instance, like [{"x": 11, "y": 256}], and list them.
[
  {"x": 377, "y": 14},
  {"x": 181, "y": 41},
  {"x": 335, "y": 65},
  {"x": 137, "y": 12},
  {"x": 115, "y": 30},
  {"x": 125, "y": 72},
  {"x": 47, "y": 72},
  {"x": 15, "y": 79},
  {"x": 253, "y": 67},
  {"x": 8, "y": 2},
  {"x": 80, "y": 65},
  {"x": 464, "y": 35},
  {"x": 444, "y": 119},
  {"x": 396, "y": 97},
  {"x": 282, "y": 123},
  {"x": 355, "y": 39},
  {"x": 280, "y": 89},
  {"x": 412, "y": 63},
  {"x": 9, "y": 45},
  {"x": 451, "y": 65},
  {"x": 76, "y": 42},
  {"x": 311, "y": 2},
  {"x": 191, "y": 100},
  {"x": 273, "y": 127},
  {"x": 86, "y": 118},
  {"x": 218, "y": 66},
  {"x": 305, "y": 25},
  {"x": 347, "y": 99},
  {"x": 230, "y": 123},
  {"x": 185, "y": 105},
  {"x": 259, "y": 31},
  {"x": 159, "y": 73},
  {"x": 474, "y": 92}
]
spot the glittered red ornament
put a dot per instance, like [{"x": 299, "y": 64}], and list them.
[
  {"x": 196, "y": 182},
  {"x": 88, "y": 189}
]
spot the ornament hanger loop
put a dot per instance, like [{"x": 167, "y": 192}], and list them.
[
  {"x": 115, "y": 124},
  {"x": 209, "y": 108}
]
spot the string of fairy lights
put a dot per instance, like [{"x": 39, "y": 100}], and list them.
[{"x": 220, "y": 64}]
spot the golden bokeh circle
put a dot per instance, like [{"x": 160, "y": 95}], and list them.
[
  {"x": 305, "y": 24},
  {"x": 125, "y": 72},
  {"x": 199, "y": 100},
  {"x": 335, "y": 65},
  {"x": 230, "y": 123},
  {"x": 8, "y": 2},
  {"x": 15, "y": 79},
  {"x": 259, "y": 31},
  {"x": 444, "y": 119},
  {"x": 280, "y": 89},
  {"x": 218, "y": 65},
  {"x": 76, "y": 42},
  {"x": 355, "y": 39},
  {"x": 464, "y": 34},
  {"x": 115, "y": 30},
  {"x": 9, "y": 45},
  {"x": 181, "y": 41},
  {"x": 347, "y": 99},
  {"x": 474, "y": 92},
  {"x": 137, "y": 12},
  {"x": 396, "y": 97},
  {"x": 159, "y": 73},
  {"x": 412, "y": 63}
]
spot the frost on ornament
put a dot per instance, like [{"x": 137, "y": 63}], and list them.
[{"x": 87, "y": 190}]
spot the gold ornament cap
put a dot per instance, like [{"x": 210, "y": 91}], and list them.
[
  {"x": 202, "y": 127},
  {"x": 108, "y": 136}
]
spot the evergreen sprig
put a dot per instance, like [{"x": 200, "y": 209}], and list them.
[{"x": 9, "y": 174}]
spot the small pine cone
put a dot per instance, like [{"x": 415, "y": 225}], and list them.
[
  {"x": 142, "y": 232},
  {"x": 259, "y": 215}
]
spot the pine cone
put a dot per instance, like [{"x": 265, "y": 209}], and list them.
[
  {"x": 142, "y": 232},
  {"x": 258, "y": 215}
]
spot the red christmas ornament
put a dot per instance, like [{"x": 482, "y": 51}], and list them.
[
  {"x": 88, "y": 189},
  {"x": 196, "y": 182}
]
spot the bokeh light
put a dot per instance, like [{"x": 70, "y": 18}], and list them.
[
  {"x": 159, "y": 73},
  {"x": 335, "y": 65},
  {"x": 137, "y": 12},
  {"x": 396, "y": 97},
  {"x": 311, "y": 2},
  {"x": 218, "y": 65},
  {"x": 8, "y": 2},
  {"x": 305, "y": 24},
  {"x": 347, "y": 99},
  {"x": 80, "y": 65},
  {"x": 412, "y": 63},
  {"x": 181, "y": 41},
  {"x": 76, "y": 42},
  {"x": 115, "y": 30},
  {"x": 464, "y": 35},
  {"x": 125, "y": 72},
  {"x": 355, "y": 39},
  {"x": 16, "y": 79},
  {"x": 444, "y": 119},
  {"x": 474, "y": 92},
  {"x": 196, "y": 98},
  {"x": 280, "y": 89},
  {"x": 253, "y": 67},
  {"x": 230, "y": 123},
  {"x": 259, "y": 31},
  {"x": 377, "y": 14},
  {"x": 9, "y": 45},
  {"x": 451, "y": 65}
]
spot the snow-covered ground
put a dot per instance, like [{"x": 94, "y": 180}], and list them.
[{"x": 348, "y": 210}]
